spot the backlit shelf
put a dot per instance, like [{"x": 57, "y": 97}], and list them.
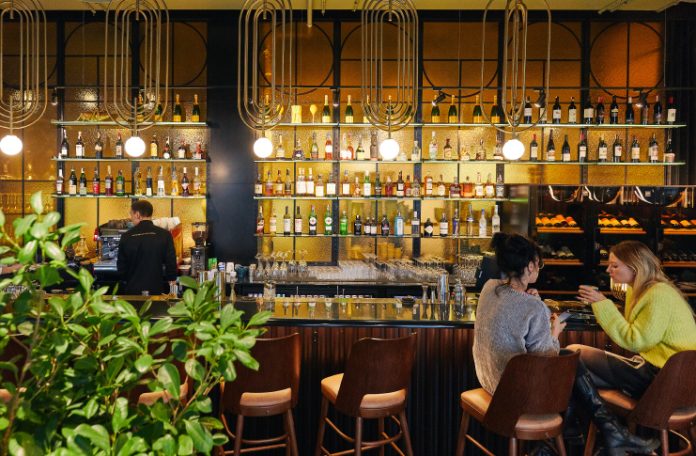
[
  {"x": 559, "y": 230},
  {"x": 622, "y": 231},
  {"x": 679, "y": 264},
  {"x": 90, "y": 196},
  {"x": 679, "y": 232},
  {"x": 562, "y": 262},
  {"x": 141, "y": 160},
  {"x": 111, "y": 123}
]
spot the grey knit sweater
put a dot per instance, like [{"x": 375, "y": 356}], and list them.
[{"x": 508, "y": 323}]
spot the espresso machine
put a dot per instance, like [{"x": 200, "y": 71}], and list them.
[
  {"x": 199, "y": 252},
  {"x": 109, "y": 236}
]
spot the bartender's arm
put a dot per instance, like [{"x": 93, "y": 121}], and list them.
[{"x": 170, "y": 261}]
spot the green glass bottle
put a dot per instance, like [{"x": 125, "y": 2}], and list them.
[
  {"x": 343, "y": 224},
  {"x": 120, "y": 184}
]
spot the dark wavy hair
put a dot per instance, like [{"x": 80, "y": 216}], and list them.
[{"x": 513, "y": 253}]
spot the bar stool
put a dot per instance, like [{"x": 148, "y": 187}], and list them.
[
  {"x": 527, "y": 405},
  {"x": 272, "y": 390},
  {"x": 668, "y": 405},
  {"x": 374, "y": 386}
]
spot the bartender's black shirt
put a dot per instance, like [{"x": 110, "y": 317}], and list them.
[{"x": 146, "y": 259}]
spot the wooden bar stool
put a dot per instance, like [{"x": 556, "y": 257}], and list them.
[
  {"x": 527, "y": 405},
  {"x": 668, "y": 405},
  {"x": 272, "y": 390},
  {"x": 374, "y": 386}
]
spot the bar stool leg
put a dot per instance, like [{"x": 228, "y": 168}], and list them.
[
  {"x": 591, "y": 437},
  {"x": 692, "y": 435},
  {"x": 463, "y": 430},
  {"x": 290, "y": 430},
  {"x": 322, "y": 425},
  {"x": 380, "y": 431},
  {"x": 407, "y": 433},
  {"x": 512, "y": 446},
  {"x": 238, "y": 435},
  {"x": 358, "y": 436},
  {"x": 664, "y": 442},
  {"x": 560, "y": 445}
]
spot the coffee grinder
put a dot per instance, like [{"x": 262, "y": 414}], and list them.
[{"x": 199, "y": 252}]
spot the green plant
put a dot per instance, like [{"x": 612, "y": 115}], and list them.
[{"x": 84, "y": 354}]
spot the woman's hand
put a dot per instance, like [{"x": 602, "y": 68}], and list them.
[
  {"x": 557, "y": 326},
  {"x": 590, "y": 294},
  {"x": 533, "y": 292}
]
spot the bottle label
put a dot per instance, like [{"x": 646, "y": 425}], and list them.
[
  {"x": 319, "y": 191},
  {"x": 367, "y": 190},
  {"x": 79, "y": 150},
  {"x": 500, "y": 191},
  {"x": 534, "y": 152},
  {"x": 589, "y": 113},
  {"x": 309, "y": 188},
  {"x": 72, "y": 189},
  {"x": 572, "y": 116},
  {"x": 328, "y": 222},
  {"x": 528, "y": 112},
  {"x": 557, "y": 114},
  {"x": 602, "y": 154},
  {"x": 428, "y": 188},
  {"x": 478, "y": 191},
  {"x": 429, "y": 229},
  {"x": 489, "y": 191},
  {"x": 551, "y": 155},
  {"x": 671, "y": 115},
  {"x": 444, "y": 226},
  {"x": 258, "y": 189},
  {"x": 301, "y": 187},
  {"x": 59, "y": 187},
  {"x": 346, "y": 189},
  {"x": 653, "y": 152},
  {"x": 618, "y": 150},
  {"x": 298, "y": 225},
  {"x": 118, "y": 152},
  {"x": 273, "y": 226},
  {"x": 259, "y": 226},
  {"x": 399, "y": 227},
  {"x": 64, "y": 151},
  {"x": 635, "y": 153},
  {"x": 582, "y": 152},
  {"x": 287, "y": 225}
]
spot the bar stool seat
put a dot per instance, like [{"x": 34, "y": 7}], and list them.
[
  {"x": 528, "y": 426},
  {"x": 371, "y": 403},
  {"x": 624, "y": 405},
  {"x": 266, "y": 403}
]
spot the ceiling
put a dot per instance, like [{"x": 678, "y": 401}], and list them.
[{"x": 597, "y": 5}]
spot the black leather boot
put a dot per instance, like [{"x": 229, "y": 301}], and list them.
[
  {"x": 617, "y": 440},
  {"x": 574, "y": 425}
]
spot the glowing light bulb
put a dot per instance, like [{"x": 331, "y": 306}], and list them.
[
  {"x": 513, "y": 149},
  {"x": 389, "y": 149},
  {"x": 10, "y": 145},
  {"x": 263, "y": 147},
  {"x": 135, "y": 146}
]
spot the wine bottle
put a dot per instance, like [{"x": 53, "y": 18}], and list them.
[
  {"x": 326, "y": 111},
  {"x": 534, "y": 149},
  {"x": 258, "y": 186},
  {"x": 617, "y": 150},
  {"x": 572, "y": 112},
  {"x": 671, "y": 111},
  {"x": 185, "y": 190},
  {"x": 527, "y": 111},
  {"x": 260, "y": 221},
  {"x": 167, "y": 152},
  {"x": 314, "y": 149},
  {"x": 154, "y": 147},
  {"x": 653, "y": 150},
  {"x": 669, "y": 152},
  {"x": 349, "y": 112},
  {"x": 495, "y": 221},
  {"x": 600, "y": 110},
  {"x": 435, "y": 111},
  {"x": 83, "y": 183},
  {"x": 328, "y": 148},
  {"x": 452, "y": 116},
  {"x": 556, "y": 112},
  {"x": 645, "y": 112},
  {"x": 478, "y": 112},
  {"x": 444, "y": 225},
  {"x": 657, "y": 111},
  {"x": 159, "y": 111},
  {"x": 635, "y": 150},
  {"x": 588, "y": 112},
  {"x": 630, "y": 115},
  {"x": 287, "y": 222},
  {"x": 108, "y": 181},
  {"x": 565, "y": 150},
  {"x": 428, "y": 228},
  {"x": 483, "y": 224},
  {"x": 385, "y": 227},
  {"x": 79, "y": 146},
  {"x": 59, "y": 182},
  {"x": 96, "y": 182},
  {"x": 367, "y": 186},
  {"x": 196, "y": 110},
  {"x": 64, "y": 146},
  {"x": 273, "y": 224},
  {"x": 602, "y": 150},
  {"x": 98, "y": 147},
  {"x": 120, "y": 184},
  {"x": 357, "y": 225},
  {"x": 582, "y": 148},
  {"x": 447, "y": 150},
  {"x": 181, "y": 151},
  {"x": 614, "y": 111},
  {"x": 400, "y": 186},
  {"x": 178, "y": 113},
  {"x": 495, "y": 111},
  {"x": 72, "y": 183},
  {"x": 551, "y": 148},
  {"x": 298, "y": 222},
  {"x": 328, "y": 221},
  {"x": 312, "y": 221}
]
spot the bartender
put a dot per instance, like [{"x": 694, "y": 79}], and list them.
[{"x": 146, "y": 256}]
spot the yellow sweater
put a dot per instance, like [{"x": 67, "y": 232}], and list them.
[{"x": 659, "y": 325}]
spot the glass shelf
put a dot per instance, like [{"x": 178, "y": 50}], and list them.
[
  {"x": 90, "y": 196},
  {"x": 640, "y": 164},
  {"x": 455, "y": 162},
  {"x": 310, "y": 124},
  {"x": 299, "y": 197},
  {"x": 485, "y": 125},
  {"x": 365, "y": 236},
  {"x": 134, "y": 159},
  {"x": 467, "y": 162},
  {"x": 381, "y": 198},
  {"x": 111, "y": 123}
]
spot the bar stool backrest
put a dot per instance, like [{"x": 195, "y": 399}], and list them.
[
  {"x": 375, "y": 366},
  {"x": 531, "y": 384},
  {"x": 673, "y": 388},
  {"x": 14, "y": 353},
  {"x": 279, "y": 368}
]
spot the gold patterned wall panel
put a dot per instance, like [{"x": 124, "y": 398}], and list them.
[
  {"x": 645, "y": 55},
  {"x": 314, "y": 58}
]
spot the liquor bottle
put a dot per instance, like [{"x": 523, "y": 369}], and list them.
[
  {"x": 328, "y": 221},
  {"x": 343, "y": 224},
  {"x": 319, "y": 188},
  {"x": 527, "y": 111},
  {"x": 300, "y": 184},
  {"x": 428, "y": 228},
  {"x": 159, "y": 111},
  {"x": 489, "y": 188},
  {"x": 389, "y": 187},
  {"x": 614, "y": 111},
  {"x": 635, "y": 150},
  {"x": 483, "y": 224},
  {"x": 441, "y": 189},
  {"x": 108, "y": 181},
  {"x": 181, "y": 151},
  {"x": 331, "y": 186},
  {"x": 357, "y": 226},
  {"x": 498, "y": 151},
  {"x": 669, "y": 152},
  {"x": 175, "y": 190},
  {"x": 312, "y": 221},
  {"x": 343, "y": 153},
  {"x": 657, "y": 111},
  {"x": 452, "y": 116},
  {"x": 96, "y": 182},
  {"x": 118, "y": 147},
  {"x": 196, "y": 110},
  {"x": 478, "y": 112},
  {"x": 447, "y": 150},
  {"x": 588, "y": 112},
  {"x": 617, "y": 150},
  {"x": 478, "y": 186},
  {"x": 83, "y": 183},
  {"x": 416, "y": 188},
  {"x": 280, "y": 150},
  {"x": 98, "y": 147},
  {"x": 314, "y": 149},
  {"x": 385, "y": 228},
  {"x": 367, "y": 227},
  {"x": 408, "y": 187},
  {"x": 400, "y": 186},
  {"x": 495, "y": 111},
  {"x": 415, "y": 152},
  {"x": 556, "y": 112},
  {"x": 345, "y": 185},
  {"x": 258, "y": 186},
  {"x": 645, "y": 112},
  {"x": 495, "y": 221},
  {"x": 455, "y": 189},
  {"x": 178, "y": 113},
  {"x": 444, "y": 225},
  {"x": 602, "y": 150},
  {"x": 297, "y": 153},
  {"x": 600, "y": 110},
  {"x": 671, "y": 111},
  {"x": 167, "y": 151},
  {"x": 455, "y": 223},
  {"x": 464, "y": 154},
  {"x": 64, "y": 146},
  {"x": 435, "y": 112},
  {"x": 543, "y": 113},
  {"x": 72, "y": 183},
  {"x": 59, "y": 182},
  {"x": 367, "y": 186},
  {"x": 349, "y": 112},
  {"x": 398, "y": 224},
  {"x": 415, "y": 224},
  {"x": 310, "y": 188},
  {"x": 268, "y": 185},
  {"x": 79, "y": 146},
  {"x": 120, "y": 184},
  {"x": 470, "y": 221},
  {"x": 432, "y": 148},
  {"x": 287, "y": 222},
  {"x": 374, "y": 149},
  {"x": 298, "y": 222},
  {"x": 551, "y": 148},
  {"x": 428, "y": 184},
  {"x": 357, "y": 189},
  {"x": 154, "y": 147},
  {"x": 481, "y": 151},
  {"x": 161, "y": 188},
  {"x": 499, "y": 187},
  {"x": 630, "y": 115},
  {"x": 582, "y": 148},
  {"x": 260, "y": 221},
  {"x": 565, "y": 150},
  {"x": 273, "y": 224},
  {"x": 185, "y": 191},
  {"x": 328, "y": 148},
  {"x": 326, "y": 111},
  {"x": 360, "y": 152},
  {"x": 534, "y": 149},
  {"x": 572, "y": 112},
  {"x": 653, "y": 150}
]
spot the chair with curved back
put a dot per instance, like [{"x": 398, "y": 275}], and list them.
[
  {"x": 527, "y": 405},
  {"x": 374, "y": 386},
  {"x": 668, "y": 405},
  {"x": 272, "y": 390}
]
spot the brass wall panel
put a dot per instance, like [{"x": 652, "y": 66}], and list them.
[
  {"x": 608, "y": 55},
  {"x": 189, "y": 211},
  {"x": 440, "y": 40},
  {"x": 314, "y": 58},
  {"x": 565, "y": 40},
  {"x": 189, "y": 53},
  {"x": 645, "y": 56}
]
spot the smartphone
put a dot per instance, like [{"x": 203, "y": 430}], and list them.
[{"x": 564, "y": 316}]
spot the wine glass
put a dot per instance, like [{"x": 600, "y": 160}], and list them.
[
  {"x": 618, "y": 290},
  {"x": 313, "y": 110}
]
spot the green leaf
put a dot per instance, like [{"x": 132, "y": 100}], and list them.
[
  {"x": 38, "y": 230},
  {"x": 143, "y": 363},
  {"x": 228, "y": 316},
  {"x": 131, "y": 446},
  {"x": 26, "y": 328},
  {"x": 8, "y": 260},
  {"x": 169, "y": 377},
  {"x": 91, "y": 408},
  {"x": 204, "y": 405},
  {"x": 211, "y": 423},
  {"x": 78, "y": 329},
  {"x": 161, "y": 326},
  {"x": 188, "y": 282},
  {"x": 85, "y": 278},
  {"x": 53, "y": 251},
  {"x": 119, "y": 419},
  {"x": 194, "y": 369},
  {"x": 69, "y": 238},
  {"x": 2, "y": 218},
  {"x": 48, "y": 275},
  {"x": 202, "y": 440},
  {"x": 26, "y": 254},
  {"x": 23, "y": 224},
  {"x": 185, "y": 445},
  {"x": 230, "y": 373},
  {"x": 4, "y": 422},
  {"x": 245, "y": 358},
  {"x": 166, "y": 445},
  {"x": 37, "y": 203},
  {"x": 220, "y": 439},
  {"x": 96, "y": 434},
  {"x": 51, "y": 218},
  {"x": 23, "y": 444},
  {"x": 259, "y": 319}
]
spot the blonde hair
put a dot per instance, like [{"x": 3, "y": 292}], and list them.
[{"x": 644, "y": 264}]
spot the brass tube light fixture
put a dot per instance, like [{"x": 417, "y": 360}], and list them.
[{"x": 23, "y": 69}]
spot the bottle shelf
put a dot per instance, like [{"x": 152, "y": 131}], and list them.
[
  {"x": 380, "y": 198},
  {"x": 679, "y": 264},
  {"x": 111, "y": 123},
  {"x": 593, "y": 126},
  {"x": 365, "y": 236},
  {"x": 121, "y": 160},
  {"x": 26, "y": 181},
  {"x": 562, "y": 262},
  {"x": 679, "y": 232},
  {"x": 558, "y": 230},
  {"x": 640, "y": 164},
  {"x": 474, "y": 162},
  {"x": 290, "y": 198},
  {"x": 91, "y": 196},
  {"x": 621, "y": 231}
]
